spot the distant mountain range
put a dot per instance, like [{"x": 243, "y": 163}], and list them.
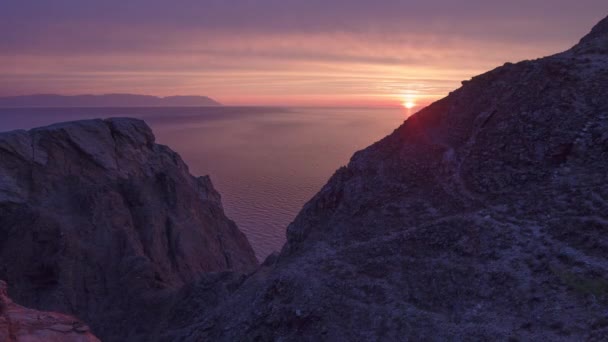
[{"x": 107, "y": 100}]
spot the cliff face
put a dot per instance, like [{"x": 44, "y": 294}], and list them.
[
  {"x": 483, "y": 217},
  {"x": 98, "y": 221},
  {"x": 19, "y": 324}
]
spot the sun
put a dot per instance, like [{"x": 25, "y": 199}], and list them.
[
  {"x": 409, "y": 104},
  {"x": 408, "y": 99}
]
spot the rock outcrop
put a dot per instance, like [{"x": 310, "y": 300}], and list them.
[
  {"x": 483, "y": 217},
  {"x": 19, "y": 324},
  {"x": 98, "y": 221}
]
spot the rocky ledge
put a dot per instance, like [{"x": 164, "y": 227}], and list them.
[
  {"x": 99, "y": 221},
  {"x": 19, "y": 324}
]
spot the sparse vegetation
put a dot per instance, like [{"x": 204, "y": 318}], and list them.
[{"x": 585, "y": 285}]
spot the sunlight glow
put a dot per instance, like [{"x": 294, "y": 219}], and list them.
[
  {"x": 409, "y": 99},
  {"x": 409, "y": 104}
]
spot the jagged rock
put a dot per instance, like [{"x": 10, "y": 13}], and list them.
[
  {"x": 19, "y": 324},
  {"x": 483, "y": 217},
  {"x": 599, "y": 31},
  {"x": 98, "y": 221}
]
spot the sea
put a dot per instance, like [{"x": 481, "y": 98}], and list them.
[{"x": 266, "y": 162}]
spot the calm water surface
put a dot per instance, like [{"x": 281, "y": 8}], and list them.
[{"x": 266, "y": 162}]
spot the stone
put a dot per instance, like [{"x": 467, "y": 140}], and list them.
[
  {"x": 20, "y": 324},
  {"x": 99, "y": 221}
]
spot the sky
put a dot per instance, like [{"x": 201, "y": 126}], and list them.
[{"x": 277, "y": 52}]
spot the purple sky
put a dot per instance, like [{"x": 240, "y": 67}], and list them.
[{"x": 277, "y": 52}]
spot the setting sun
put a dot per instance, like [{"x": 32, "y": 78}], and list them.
[
  {"x": 409, "y": 104},
  {"x": 409, "y": 99}
]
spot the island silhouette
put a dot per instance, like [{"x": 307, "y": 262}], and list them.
[{"x": 105, "y": 100}]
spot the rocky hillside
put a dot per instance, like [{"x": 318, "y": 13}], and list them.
[
  {"x": 19, "y": 324},
  {"x": 98, "y": 221},
  {"x": 483, "y": 217}
]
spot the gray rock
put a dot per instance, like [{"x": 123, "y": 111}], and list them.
[
  {"x": 19, "y": 324},
  {"x": 98, "y": 221}
]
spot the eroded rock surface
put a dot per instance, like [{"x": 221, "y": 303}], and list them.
[
  {"x": 99, "y": 221},
  {"x": 19, "y": 324},
  {"x": 484, "y": 217}
]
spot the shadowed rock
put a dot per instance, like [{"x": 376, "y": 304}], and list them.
[
  {"x": 19, "y": 324},
  {"x": 98, "y": 221}
]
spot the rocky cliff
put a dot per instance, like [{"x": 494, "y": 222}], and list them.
[
  {"x": 99, "y": 221},
  {"x": 19, "y": 324},
  {"x": 483, "y": 217}
]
